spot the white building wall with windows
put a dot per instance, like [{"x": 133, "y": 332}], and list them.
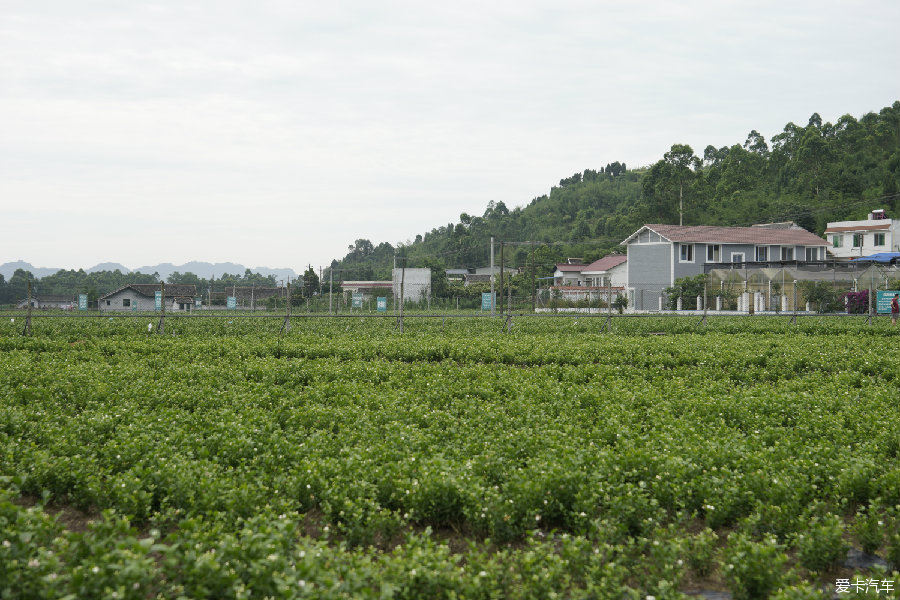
[{"x": 852, "y": 239}]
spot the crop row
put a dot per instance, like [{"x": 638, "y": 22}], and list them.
[{"x": 365, "y": 463}]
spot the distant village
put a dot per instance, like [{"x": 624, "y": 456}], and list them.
[{"x": 757, "y": 268}]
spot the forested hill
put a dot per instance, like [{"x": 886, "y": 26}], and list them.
[{"x": 809, "y": 174}]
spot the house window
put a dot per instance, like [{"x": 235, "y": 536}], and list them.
[
  {"x": 837, "y": 241},
  {"x": 787, "y": 253},
  {"x": 687, "y": 253},
  {"x": 713, "y": 253},
  {"x": 109, "y": 302},
  {"x": 812, "y": 254},
  {"x": 737, "y": 257},
  {"x": 857, "y": 240},
  {"x": 762, "y": 253},
  {"x": 126, "y": 301},
  {"x": 879, "y": 239}
]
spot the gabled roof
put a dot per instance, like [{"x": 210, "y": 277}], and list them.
[
  {"x": 567, "y": 268},
  {"x": 878, "y": 227},
  {"x": 150, "y": 289},
  {"x": 733, "y": 235},
  {"x": 605, "y": 264}
]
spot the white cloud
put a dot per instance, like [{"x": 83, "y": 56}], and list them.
[{"x": 294, "y": 128}]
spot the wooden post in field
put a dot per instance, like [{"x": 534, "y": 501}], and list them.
[
  {"x": 501, "y": 278},
  {"x": 402, "y": 282},
  {"x": 28, "y": 315},
  {"x": 161, "y": 329},
  {"x": 287, "y": 315}
]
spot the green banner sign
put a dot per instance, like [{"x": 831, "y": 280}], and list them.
[
  {"x": 82, "y": 301},
  {"x": 883, "y": 301},
  {"x": 158, "y": 300},
  {"x": 231, "y": 302},
  {"x": 486, "y": 301},
  {"x": 382, "y": 304},
  {"x": 357, "y": 300}
]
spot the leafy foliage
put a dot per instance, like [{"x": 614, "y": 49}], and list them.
[{"x": 344, "y": 459}]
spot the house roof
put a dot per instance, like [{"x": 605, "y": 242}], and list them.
[
  {"x": 150, "y": 289},
  {"x": 605, "y": 264},
  {"x": 53, "y": 298},
  {"x": 567, "y": 268},
  {"x": 733, "y": 235},
  {"x": 881, "y": 226}
]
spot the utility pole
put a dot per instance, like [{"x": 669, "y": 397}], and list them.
[
  {"x": 330, "y": 287},
  {"x": 501, "y": 276},
  {"x": 402, "y": 280},
  {"x": 492, "y": 276},
  {"x": 162, "y": 305},
  {"x": 533, "y": 288},
  {"x": 28, "y": 316}
]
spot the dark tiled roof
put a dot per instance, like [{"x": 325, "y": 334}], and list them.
[
  {"x": 605, "y": 264},
  {"x": 734, "y": 235},
  {"x": 886, "y": 225},
  {"x": 567, "y": 268},
  {"x": 149, "y": 290}
]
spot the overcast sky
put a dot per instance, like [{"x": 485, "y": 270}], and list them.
[{"x": 275, "y": 133}]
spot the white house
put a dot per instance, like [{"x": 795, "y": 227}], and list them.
[
  {"x": 416, "y": 284},
  {"x": 610, "y": 270},
  {"x": 51, "y": 301},
  {"x": 852, "y": 239},
  {"x": 567, "y": 274},
  {"x": 659, "y": 254},
  {"x": 142, "y": 297}
]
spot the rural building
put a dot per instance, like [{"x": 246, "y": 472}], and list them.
[
  {"x": 575, "y": 281},
  {"x": 250, "y": 297},
  {"x": 610, "y": 270},
  {"x": 416, "y": 284},
  {"x": 65, "y": 302},
  {"x": 852, "y": 239},
  {"x": 659, "y": 254},
  {"x": 567, "y": 274},
  {"x": 142, "y": 297},
  {"x": 368, "y": 288}
]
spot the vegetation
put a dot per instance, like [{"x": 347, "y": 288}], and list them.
[
  {"x": 342, "y": 459},
  {"x": 809, "y": 174}
]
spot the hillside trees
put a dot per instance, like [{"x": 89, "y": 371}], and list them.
[{"x": 808, "y": 174}]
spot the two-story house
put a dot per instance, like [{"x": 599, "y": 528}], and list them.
[
  {"x": 852, "y": 239},
  {"x": 660, "y": 254}
]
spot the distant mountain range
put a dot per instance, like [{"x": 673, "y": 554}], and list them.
[{"x": 204, "y": 270}]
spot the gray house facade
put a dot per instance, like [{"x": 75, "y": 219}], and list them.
[
  {"x": 140, "y": 297},
  {"x": 660, "y": 254}
]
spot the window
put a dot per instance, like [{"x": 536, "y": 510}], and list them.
[
  {"x": 812, "y": 254},
  {"x": 108, "y": 302},
  {"x": 879, "y": 239},
  {"x": 687, "y": 253},
  {"x": 126, "y": 301},
  {"x": 837, "y": 241},
  {"x": 713, "y": 253},
  {"x": 787, "y": 253},
  {"x": 737, "y": 257},
  {"x": 857, "y": 240},
  {"x": 762, "y": 253}
]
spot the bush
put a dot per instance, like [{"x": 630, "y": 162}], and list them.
[
  {"x": 822, "y": 545},
  {"x": 753, "y": 569}
]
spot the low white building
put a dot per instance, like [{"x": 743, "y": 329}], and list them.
[
  {"x": 64, "y": 302},
  {"x": 567, "y": 274},
  {"x": 852, "y": 239},
  {"x": 142, "y": 297},
  {"x": 416, "y": 284},
  {"x": 610, "y": 270}
]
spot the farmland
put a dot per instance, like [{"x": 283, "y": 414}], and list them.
[{"x": 343, "y": 459}]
